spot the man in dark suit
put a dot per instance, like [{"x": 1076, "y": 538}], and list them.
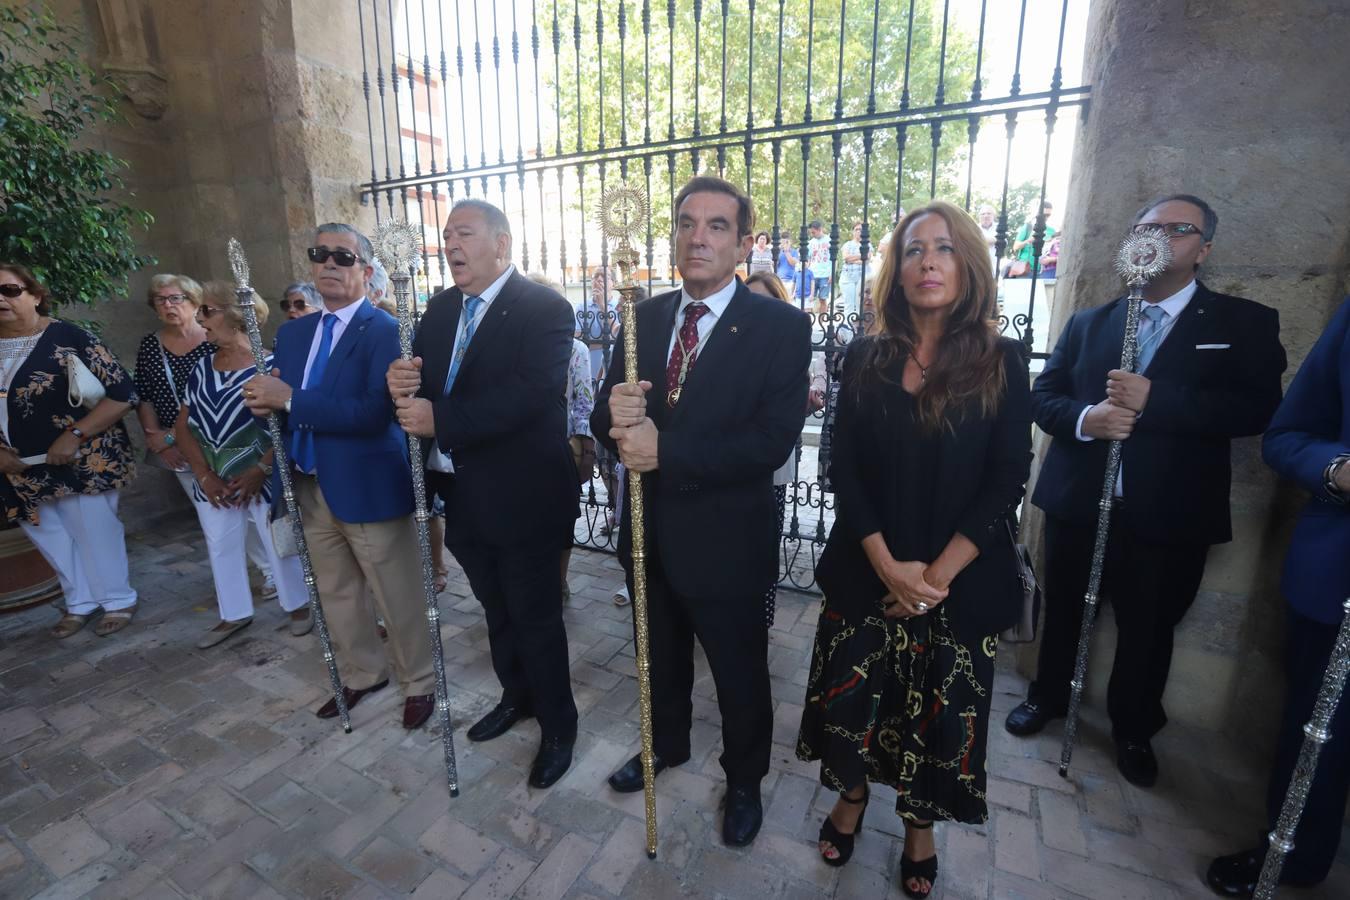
[
  {"x": 1309, "y": 443},
  {"x": 1209, "y": 371},
  {"x": 486, "y": 388},
  {"x": 718, "y": 407},
  {"x": 351, "y": 476}
]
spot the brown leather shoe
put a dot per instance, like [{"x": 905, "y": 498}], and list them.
[
  {"x": 417, "y": 709},
  {"x": 329, "y": 709}
]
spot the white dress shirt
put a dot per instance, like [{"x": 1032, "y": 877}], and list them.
[
  {"x": 717, "y": 306},
  {"x": 439, "y": 461},
  {"x": 1171, "y": 307},
  {"x": 344, "y": 318}
]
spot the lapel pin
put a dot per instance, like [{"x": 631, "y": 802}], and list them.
[{"x": 733, "y": 329}]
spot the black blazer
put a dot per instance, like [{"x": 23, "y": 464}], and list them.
[
  {"x": 982, "y": 469},
  {"x": 1215, "y": 377},
  {"x": 710, "y": 508},
  {"x": 504, "y": 422}
]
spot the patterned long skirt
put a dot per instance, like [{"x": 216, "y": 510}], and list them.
[{"x": 901, "y": 702}]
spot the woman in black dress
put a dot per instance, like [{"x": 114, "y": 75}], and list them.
[{"x": 932, "y": 452}]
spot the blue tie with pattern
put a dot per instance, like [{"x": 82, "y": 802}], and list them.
[
  {"x": 302, "y": 446},
  {"x": 1154, "y": 315},
  {"x": 471, "y": 306}
]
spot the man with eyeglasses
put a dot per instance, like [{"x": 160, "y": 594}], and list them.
[
  {"x": 1208, "y": 371},
  {"x": 351, "y": 475}
]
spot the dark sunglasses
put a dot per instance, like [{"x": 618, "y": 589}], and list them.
[
  {"x": 344, "y": 258},
  {"x": 296, "y": 305},
  {"x": 206, "y": 312},
  {"x": 11, "y": 290},
  {"x": 1171, "y": 229}
]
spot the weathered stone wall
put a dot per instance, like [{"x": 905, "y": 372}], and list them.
[
  {"x": 1234, "y": 102},
  {"x": 243, "y": 118}
]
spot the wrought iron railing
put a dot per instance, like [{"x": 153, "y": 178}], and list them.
[{"x": 820, "y": 108}]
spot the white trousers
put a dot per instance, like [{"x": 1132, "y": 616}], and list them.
[
  {"x": 253, "y": 546},
  {"x": 225, "y": 531},
  {"x": 81, "y": 538}
]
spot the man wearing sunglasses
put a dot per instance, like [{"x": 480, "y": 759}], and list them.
[
  {"x": 351, "y": 474},
  {"x": 1209, "y": 371},
  {"x": 486, "y": 388}
]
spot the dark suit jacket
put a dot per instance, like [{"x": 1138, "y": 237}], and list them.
[
  {"x": 1310, "y": 429},
  {"x": 1215, "y": 377},
  {"x": 504, "y": 422},
  {"x": 710, "y": 509},
  {"x": 981, "y": 474},
  {"x": 361, "y": 453}
]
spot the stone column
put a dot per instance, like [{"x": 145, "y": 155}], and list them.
[{"x": 1241, "y": 103}]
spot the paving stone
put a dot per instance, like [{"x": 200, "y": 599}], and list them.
[
  {"x": 501, "y": 879},
  {"x": 130, "y": 760},
  {"x": 465, "y": 849},
  {"x": 68, "y": 846},
  {"x": 440, "y": 885},
  {"x": 140, "y": 829},
  {"x": 215, "y": 810},
  {"x": 233, "y": 847},
  {"x": 554, "y": 877},
  {"x": 60, "y": 771},
  {"x": 236, "y": 882},
  {"x": 316, "y": 875},
  {"x": 64, "y": 807},
  {"x": 17, "y": 722},
  {"x": 69, "y": 716},
  {"x": 1061, "y": 827},
  {"x": 395, "y": 867},
  {"x": 1015, "y": 844}
]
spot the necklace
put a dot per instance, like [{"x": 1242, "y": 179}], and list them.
[{"x": 923, "y": 370}]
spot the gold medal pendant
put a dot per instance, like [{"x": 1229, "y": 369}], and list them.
[{"x": 673, "y": 397}]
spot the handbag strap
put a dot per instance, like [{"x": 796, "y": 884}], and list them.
[{"x": 168, "y": 372}]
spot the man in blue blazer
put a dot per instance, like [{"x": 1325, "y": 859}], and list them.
[
  {"x": 1209, "y": 371},
  {"x": 1309, "y": 444},
  {"x": 352, "y": 481}
]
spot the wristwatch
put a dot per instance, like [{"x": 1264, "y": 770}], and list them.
[
  {"x": 1329, "y": 478},
  {"x": 77, "y": 432},
  {"x": 169, "y": 439}
]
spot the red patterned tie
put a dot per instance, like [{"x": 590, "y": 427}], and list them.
[{"x": 684, "y": 347}]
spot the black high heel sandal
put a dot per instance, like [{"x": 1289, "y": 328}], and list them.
[
  {"x": 911, "y": 869},
  {"x": 843, "y": 843}
]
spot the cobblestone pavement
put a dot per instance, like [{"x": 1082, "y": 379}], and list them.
[{"x": 136, "y": 766}]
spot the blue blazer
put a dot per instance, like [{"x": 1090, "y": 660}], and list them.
[
  {"x": 1310, "y": 429},
  {"x": 361, "y": 453}
]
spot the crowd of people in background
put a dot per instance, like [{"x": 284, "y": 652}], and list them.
[{"x": 932, "y": 415}]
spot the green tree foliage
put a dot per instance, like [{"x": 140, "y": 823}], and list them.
[
  {"x": 613, "y": 85},
  {"x": 56, "y": 213}
]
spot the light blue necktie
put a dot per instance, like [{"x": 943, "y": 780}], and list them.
[
  {"x": 302, "y": 445},
  {"x": 471, "y": 307},
  {"x": 1148, "y": 343}
]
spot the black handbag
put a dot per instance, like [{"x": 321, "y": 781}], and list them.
[{"x": 1024, "y": 631}]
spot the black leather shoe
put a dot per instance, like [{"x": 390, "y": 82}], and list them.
[
  {"x": 742, "y": 817},
  {"x": 1030, "y": 717},
  {"x": 552, "y": 761},
  {"x": 497, "y": 722},
  {"x": 628, "y": 779},
  {"x": 1137, "y": 763},
  {"x": 329, "y": 710},
  {"x": 1236, "y": 875}
]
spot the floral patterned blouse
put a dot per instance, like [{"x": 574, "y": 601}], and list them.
[
  {"x": 39, "y": 411},
  {"x": 580, "y": 393}
]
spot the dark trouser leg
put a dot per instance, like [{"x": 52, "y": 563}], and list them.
[
  {"x": 1152, "y": 587},
  {"x": 671, "y": 650},
  {"x": 533, "y": 597},
  {"x": 736, "y": 641},
  {"x": 484, "y": 575},
  {"x": 1068, "y": 558},
  {"x": 1308, "y": 646}
]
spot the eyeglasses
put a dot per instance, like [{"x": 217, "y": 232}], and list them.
[
  {"x": 11, "y": 290},
  {"x": 296, "y": 305},
  {"x": 344, "y": 258},
  {"x": 1171, "y": 229},
  {"x": 207, "y": 312},
  {"x": 170, "y": 299}
]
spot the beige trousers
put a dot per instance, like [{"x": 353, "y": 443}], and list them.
[{"x": 348, "y": 558}]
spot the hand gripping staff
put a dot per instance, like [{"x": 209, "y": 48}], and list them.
[
  {"x": 397, "y": 244},
  {"x": 1142, "y": 257},
  {"x": 281, "y": 462}
]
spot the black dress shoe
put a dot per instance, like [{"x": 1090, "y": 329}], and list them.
[
  {"x": 1137, "y": 763},
  {"x": 1236, "y": 875},
  {"x": 628, "y": 779},
  {"x": 742, "y": 817},
  {"x": 497, "y": 722},
  {"x": 552, "y": 761},
  {"x": 329, "y": 709},
  {"x": 1030, "y": 717}
]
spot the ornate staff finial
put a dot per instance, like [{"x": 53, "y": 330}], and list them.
[
  {"x": 1143, "y": 255},
  {"x": 239, "y": 265},
  {"x": 623, "y": 212},
  {"x": 397, "y": 243}
]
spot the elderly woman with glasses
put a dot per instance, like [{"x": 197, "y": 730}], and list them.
[
  {"x": 230, "y": 456},
  {"x": 64, "y": 452},
  {"x": 300, "y": 299}
]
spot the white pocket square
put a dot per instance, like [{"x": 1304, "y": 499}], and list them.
[{"x": 1213, "y": 346}]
